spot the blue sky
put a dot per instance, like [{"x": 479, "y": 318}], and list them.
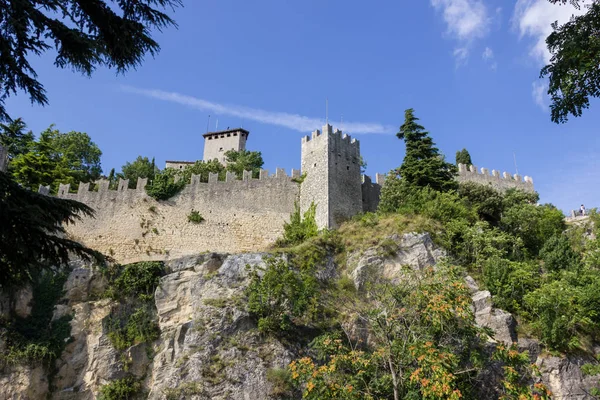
[{"x": 469, "y": 68}]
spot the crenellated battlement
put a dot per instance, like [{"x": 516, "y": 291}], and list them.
[
  {"x": 240, "y": 214},
  {"x": 102, "y": 190},
  {"x": 341, "y": 141},
  {"x": 499, "y": 181}
]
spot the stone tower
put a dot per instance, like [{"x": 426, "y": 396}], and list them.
[
  {"x": 217, "y": 143},
  {"x": 331, "y": 162}
]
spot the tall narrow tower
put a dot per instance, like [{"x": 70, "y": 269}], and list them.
[
  {"x": 331, "y": 162},
  {"x": 217, "y": 143}
]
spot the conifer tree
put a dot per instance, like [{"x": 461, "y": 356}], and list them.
[
  {"x": 463, "y": 157},
  {"x": 423, "y": 165}
]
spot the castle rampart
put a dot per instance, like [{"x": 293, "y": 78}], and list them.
[
  {"x": 499, "y": 182},
  {"x": 239, "y": 215},
  {"x": 244, "y": 214}
]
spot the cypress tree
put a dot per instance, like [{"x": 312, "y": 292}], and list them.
[
  {"x": 463, "y": 157},
  {"x": 423, "y": 165}
]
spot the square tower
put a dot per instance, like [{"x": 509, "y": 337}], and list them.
[
  {"x": 217, "y": 143},
  {"x": 331, "y": 162}
]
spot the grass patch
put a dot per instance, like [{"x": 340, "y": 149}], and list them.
[
  {"x": 369, "y": 230},
  {"x": 195, "y": 217},
  {"x": 120, "y": 389}
]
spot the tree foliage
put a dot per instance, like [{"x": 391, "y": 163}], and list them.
[
  {"x": 84, "y": 35},
  {"x": 574, "y": 76},
  {"x": 463, "y": 157},
  {"x": 14, "y": 138},
  {"x": 423, "y": 164},
  {"x": 32, "y": 233},
  {"x": 142, "y": 167},
  {"x": 57, "y": 158},
  {"x": 299, "y": 228},
  {"x": 244, "y": 160},
  {"x": 166, "y": 184}
]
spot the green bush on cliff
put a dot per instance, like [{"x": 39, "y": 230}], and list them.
[
  {"x": 280, "y": 295},
  {"x": 133, "y": 319},
  {"x": 37, "y": 339},
  {"x": 120, "y": 389},
  {"x": 300, "y": 228}
]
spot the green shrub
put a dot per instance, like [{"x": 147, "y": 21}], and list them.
[
  {"x": 281, "y": 382},
  {"x": 299, "y": 229},
  {"x": 486, "y": 200},
  {"x": 534, "y": 225},
  {"x": 282, "y": 295},
  {"x": 38, "y": 339},
  {"x": 166, "y": 184},
  {"x": 121, "y": 389},
  {"x": 135, "y": 279},
  {"x": 558, "y": 254},
  {"x": 557, "y": 314},
  {"x": 130, "y": 324},
  {"x": 195, "y": 217},
  {"x": 510, "y": 281}
]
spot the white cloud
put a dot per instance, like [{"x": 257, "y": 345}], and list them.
[
  {"x": 461, "y": 54},
  {"x": 292, "y": 121},
  {"x": 539, "y": 92},
  {"x": 467, "y": 20},
  {"x": 489, "y": 58},
  {"x": 488, "y": 54},
  {"x": 534, "y": 18}
]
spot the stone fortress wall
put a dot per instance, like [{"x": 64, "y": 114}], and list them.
[
  {"x": 240, "y": 215},
  {"x": 499, "y": 182}
]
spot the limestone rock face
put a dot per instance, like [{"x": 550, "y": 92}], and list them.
[
  {"x": 414, "y": 250},
  {"x": 209, "y": 347},
  {"x": 22, "y": 299},
  {"x": 23, "y": 383},
  {"x": 563, "y": 376},
  {"x": 503, "y": 324}
]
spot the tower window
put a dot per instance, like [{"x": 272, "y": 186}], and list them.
[
  {"x": 229, "y": 135},
  {"x": 235, "y": 134},
  {"x": 220, "y": 149},
  {"x": 210, "y": 138},
  {"x": 347, "y": 168}
]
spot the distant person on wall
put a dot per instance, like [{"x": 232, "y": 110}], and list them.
[{"x": 582, "y": 210}]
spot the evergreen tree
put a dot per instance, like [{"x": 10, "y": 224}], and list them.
[
  {"x": 84, "y": 34},
  {"x": 14, "y": 138},
  {"x": 463, "y": 157},
  {"x": 423, "y": 165},
  {"x": 32, "y": 234}
]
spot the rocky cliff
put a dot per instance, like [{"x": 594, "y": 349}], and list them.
[{"x": 209, "y": 347}]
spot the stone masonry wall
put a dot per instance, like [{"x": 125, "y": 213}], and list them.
[
  {"x": 499, "y": 182},
  {"x": 240, "y": 215},
  {"x": 371, "y": 192}
]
